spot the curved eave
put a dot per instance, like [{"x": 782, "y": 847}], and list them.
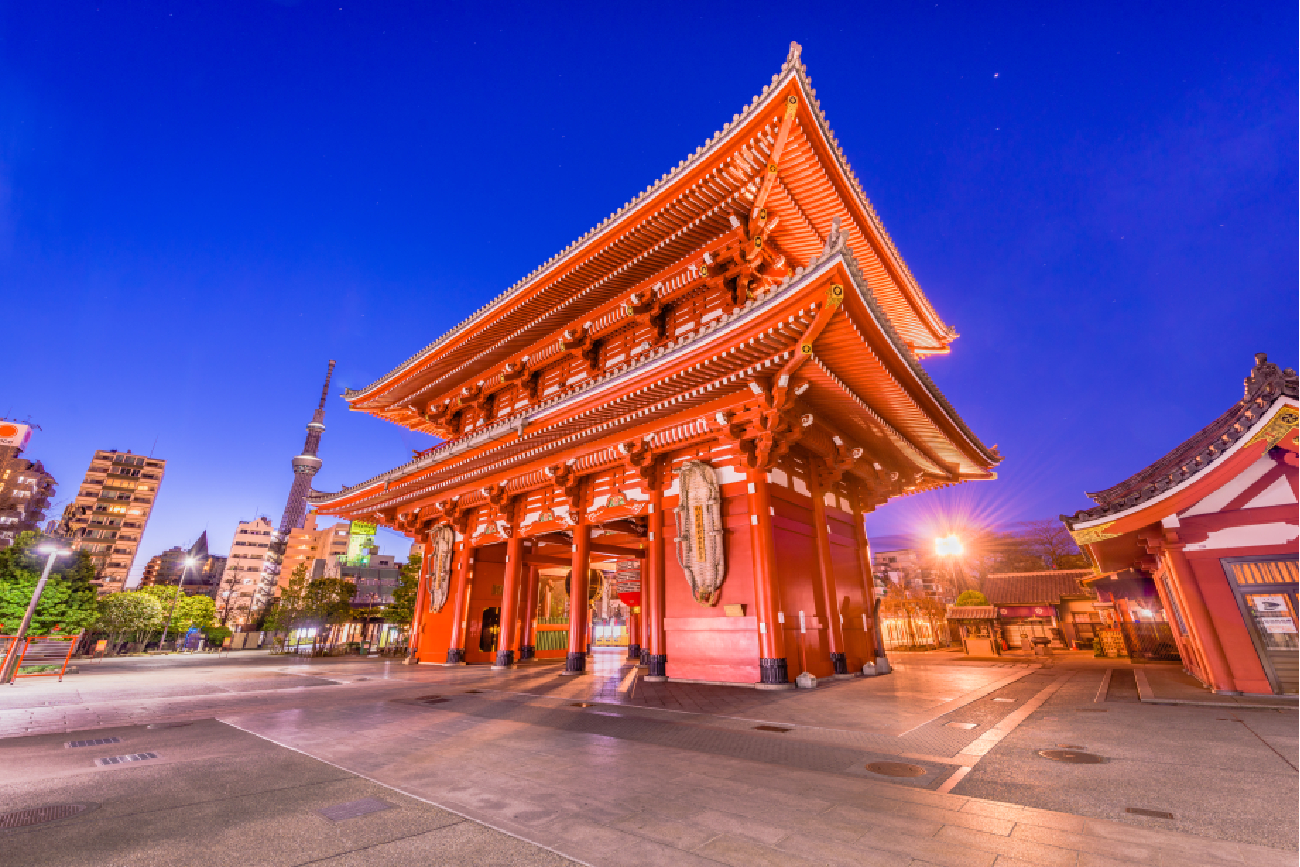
[
  {"x": 1190, "y": 491},
  {"x": 744, "y": 124},
  {"x": 800, "y": 289}
]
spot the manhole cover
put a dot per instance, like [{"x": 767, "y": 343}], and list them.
[
  {"x": 40, "y": 815},
  {"x": 770, "y": 729},
  {"x": 120, "y": 760},
  {"x": 1154, "y": 814},
  {"x": 582, "y": 704},
  {"x": 896, "y": 769},
  {"x": 432, "y": 699},
  {"x": 1072, "y": 757},
  {"x": 967, "y": 726},
  {"x": 93, "y": 743},
  {"x": 473, "y": 691}
]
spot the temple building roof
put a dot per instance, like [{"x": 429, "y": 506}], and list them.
[
  {"x": 1265, "y": 387},
  {"x": 1036, "y": 588},
  {"x": 685, "y": 210}
]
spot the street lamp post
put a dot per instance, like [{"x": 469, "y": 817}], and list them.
[
  {"x": 11, "y": 663},
  {"x": 189, "y": 561}
]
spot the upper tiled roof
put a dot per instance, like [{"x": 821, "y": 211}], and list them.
[
  {"x": 1266, "y": 385},
  {"x": 1035, "y": 588},
  {"x": 593, "y": 239}
]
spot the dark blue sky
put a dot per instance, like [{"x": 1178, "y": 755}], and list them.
[{"x": 201, "y": 203}]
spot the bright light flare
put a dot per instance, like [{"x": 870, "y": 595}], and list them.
[{"x": 948, "y": 546}]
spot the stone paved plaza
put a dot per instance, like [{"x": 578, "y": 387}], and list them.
[{"x": 463, "y": 765}]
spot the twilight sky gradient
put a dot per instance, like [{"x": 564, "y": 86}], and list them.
[{"x": 201, "y": 203}]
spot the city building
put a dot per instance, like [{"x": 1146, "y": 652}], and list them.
[
  {"x": 1053, "y": 605},
  {"x": 309, "y": 543},
  {"x": 168, "y": 568},
  {"x": 717, "y": 382},
  {"x": 1204, "y": 542},
  {"x": 109, "y": 514},
  {"x": 25, "y": 486},
  {"x": 251, "y": 574}
]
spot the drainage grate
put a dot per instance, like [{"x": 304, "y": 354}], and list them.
[
  {"x": 1073, "y": 757},
  {"x": 1071, "y": 747},
  {"x": 96, "y": 742},
  {"x": 770, "y": 729},
  {"x": 582, "y": 704},
  {"x": 896, "y": 769},
  {"x": 1004, "y": 699},
  {"x": 354, "y": 809},
  {"x": 1154, "y": 814},
  {"x": 118, "y": 760},
  {"x": 473, "y": 691},
  {"x": 966, "y": 726},
  {"x": 1090, "y": 710},
  {"x": 168, "y": 725},
  {"x": 40, "y": 815}
]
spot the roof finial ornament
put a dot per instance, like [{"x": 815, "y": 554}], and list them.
[
  {"x": 835, "y": 240},
  {"x": 793, "y": 59}
]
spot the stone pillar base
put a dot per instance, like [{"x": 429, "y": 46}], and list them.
[
  {"x": 840, "y": 663},
  {"x": 456, "y": 656},
  {"x": 634, "y": 651},
  {"x": 527, "y": 651},
  {"x": 645, "y": 657},
  {"x": 657, "y": 665},
  {"x": 773, "y": 670},
  {"x": 575, "y": 663},
  {"x": 505, "y": 659}
]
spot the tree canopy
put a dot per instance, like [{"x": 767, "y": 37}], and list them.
[
  {"x": 68, "y": 603},
  {"x": 402, "y": 608},
  {"x": 131, "y": 612},
  {"x": 197, "y": 610},
  {"x": 972, "y": 597}
]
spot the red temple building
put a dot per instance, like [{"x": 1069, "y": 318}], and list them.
[
  {"x": 1205, "y": 540},
  {"x": 701, "y": 396}
]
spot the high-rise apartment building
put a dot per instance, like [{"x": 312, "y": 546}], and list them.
[
  {"x": 310, "y": 543},
  {"x": 25, "y": 486},
  {"x": 251, "y": 571},
  {"x": 110, "y": 512}
]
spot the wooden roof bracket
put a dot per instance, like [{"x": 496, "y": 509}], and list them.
[
  {"x": 773, "y": 160},
  {"x": 781, "y": 385}
]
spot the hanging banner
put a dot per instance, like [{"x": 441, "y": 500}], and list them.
[{"x": 627, "y": 581}]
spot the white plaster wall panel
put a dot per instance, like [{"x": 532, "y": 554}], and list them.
[
  {"x": 1252, "y": 536},
  {"x": 1226, "y": 494},
  {"x": 1277, "y": 494}
]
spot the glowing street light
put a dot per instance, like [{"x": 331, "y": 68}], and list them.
[
  {"x": 948, "y": 546},
  {"x": 52, "y": 552},
  {"x": 189, "y": 561}
]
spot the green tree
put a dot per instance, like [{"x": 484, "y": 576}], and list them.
[
  {"x": 68, "y": 601},
  {"x": 972, "y": 597},
  {"x": 130, "y": 613},
  {"x": 288, "y": 611},
  {"x": 402, "y": 608},
  {"x": 328, "y": 602},
  {"x": 197, "y": 610}
]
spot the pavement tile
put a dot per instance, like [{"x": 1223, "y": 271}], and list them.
[
  {"x": 1175, "y": 840},
  {"x": 988, "y": 824},
  {"x": 462, "y": 845},
  {"x": 679, "y": 834},
  {"x": 740, "y": 852},
  {"x": 1027, "y": 850},
  {"x": 865, "y": 821},
  {"x": 764, "y": 832},
  {"x": 596, "y": 843},
  {"x": 835, "y": 852}
]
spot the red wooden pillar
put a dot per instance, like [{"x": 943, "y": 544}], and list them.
[
  {"x": 834, "y": 623},
  {"x": 634, "y": 635},
  {"x": 652, "y": 581},
  {"x": 421, "y": 604},
  {"x": 1220, "y": 670},
  {"x": 510, "y": 601},
  {"x": 527, "y": 647},
  {"x": 771, "y": 633},
  {"x": 459, "y": 601},
  {"x": 868, "y": 582},
  {"x": 576, "y": 660}
]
